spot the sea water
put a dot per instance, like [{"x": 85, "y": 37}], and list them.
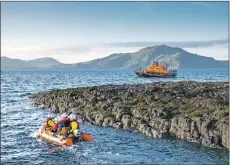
[{"x": 20, "y": 119}]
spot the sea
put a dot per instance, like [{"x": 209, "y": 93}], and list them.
[{"x": 20, "y": 120}]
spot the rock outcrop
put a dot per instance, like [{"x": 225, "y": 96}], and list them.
[{"x": 192, "y": 111}]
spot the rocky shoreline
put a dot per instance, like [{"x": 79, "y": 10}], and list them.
[{"x": 192, "y": 111}]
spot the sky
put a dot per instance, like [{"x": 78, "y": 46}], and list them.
[{"x": 74, "y": 32}]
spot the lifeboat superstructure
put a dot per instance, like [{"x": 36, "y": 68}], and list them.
[{"x": 156, "y": 70}]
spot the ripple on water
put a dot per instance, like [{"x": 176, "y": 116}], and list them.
[{"x": 19, "y": 121}]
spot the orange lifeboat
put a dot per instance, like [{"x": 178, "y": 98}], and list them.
[{"x": 156, "y": 70}]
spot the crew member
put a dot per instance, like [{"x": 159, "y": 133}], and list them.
[
  {"x": 48, "y": 125},
  {"x": 60, "y": 126}
]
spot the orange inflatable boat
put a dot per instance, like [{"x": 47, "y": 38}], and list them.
[{"x": 59, "y": 140}]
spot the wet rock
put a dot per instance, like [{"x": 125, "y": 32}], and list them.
[
  {"x": 108, "y": 121},
  {"x": 126, "y": 120},
  {"x": 204, "y": 128},
  {"x": 161, "y": 112},
  {"x": 142, "y": 128},
  {"x": 118, "y": 125},
  {"x": 167, "y": 125},
  {"x": 134, "y": 122},
  {"x": 137, "y": 113},
  {"x": 155, "y": 133},
  {"x": 194, "y": 130},
  {"x": 119, "y": 112},
  {"x": 174, "y": 125},
  {"x": 148, "y": 132},
  {"x": 99, "y": 119},
  {"x": 154, "y": 124},
  {"x": 189, "y": 110},
  {"x": 225, "y": 136}
]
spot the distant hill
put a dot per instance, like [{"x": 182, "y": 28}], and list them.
[
  {"x": 175, "y": 57},
  {"x": 8, "y": 63}
]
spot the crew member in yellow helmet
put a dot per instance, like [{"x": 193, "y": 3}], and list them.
[
  {"x": 48, "y": 125},
  {"x": 74, "y": 125}
]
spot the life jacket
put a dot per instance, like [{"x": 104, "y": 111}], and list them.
[
  {"x": 48, "y": 125},
  {"x": 55, "y": 127},
  {"x": 50, "y": 122},
  {"x": 62, "y": 131},
  {"x": 72, "y": 125}
]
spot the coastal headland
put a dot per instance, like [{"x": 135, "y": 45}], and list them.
[{"x": 188, "y": 110}]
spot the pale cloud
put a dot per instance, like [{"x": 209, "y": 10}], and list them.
[
  {"x": 8, "y": 49},
  {"x": 218, "y": 52},
  {"x": 187, "y": 44},
  {"x": 68, "y": 54}
]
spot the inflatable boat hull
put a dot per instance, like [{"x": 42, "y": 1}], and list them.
[{"x": 59, "y": 140}]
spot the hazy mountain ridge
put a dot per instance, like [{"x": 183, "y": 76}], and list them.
[
  {"x": 36, "y": 63},
  {"x": 175, "y": 57}
]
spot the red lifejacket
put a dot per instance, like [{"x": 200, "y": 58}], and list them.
[{"x": 59, "y": 122}]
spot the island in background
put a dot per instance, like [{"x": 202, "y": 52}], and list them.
[{"x": 177, "y": 58}]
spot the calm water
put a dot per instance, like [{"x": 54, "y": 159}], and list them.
[{"x": 19, "y": 121}]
